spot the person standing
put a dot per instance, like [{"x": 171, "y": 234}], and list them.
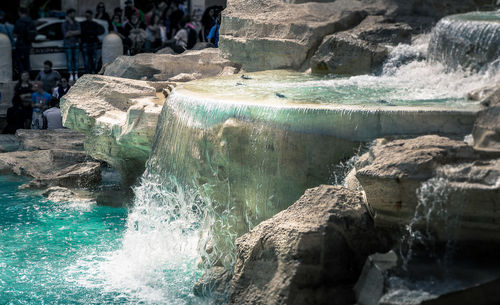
[
  {"x": 25, "y": 33},
  {"x": 6, "y": 28},
  {"x": 23, "y": 85},
  {"x": 15, "y": 116},
  {"x": 48, "y": 77},
  {"x": 90, "y": 32},
  {"x": 71, "y": 33},
  {"x": 101, "y": 14}
]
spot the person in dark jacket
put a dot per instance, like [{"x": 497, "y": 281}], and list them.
[
  {"x": 25, "y": 33},
  {"x": 15, "y": 116},
  {"x": 90, "y": 32}
]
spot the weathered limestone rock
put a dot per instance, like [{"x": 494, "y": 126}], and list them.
[
  {"x": 486, "y": 130},
  {"x": 118, "y": 117},
  {"x": 344, "y": 53},
  {"x": 392, "y": 172},
  {"x": 55, "y": 167},
  {"x": 32, "y": 139},
  {"x": 264, "y": 35},
  {"x": 310, "y": 253},
  {"x": 207, "y": 62},
  {"x": 360, "y": 50}
]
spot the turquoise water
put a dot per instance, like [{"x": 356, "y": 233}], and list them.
[{"x": 83, "y": 253}]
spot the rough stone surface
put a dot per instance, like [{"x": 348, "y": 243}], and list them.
[
  {"x": 32, "y": 139},
  {"x": 344, "y": 53},
  {"x": 486, "y": 130},
  {"x": 360, "y": 50},
  {"x": 392, "y": 172},
  {"x": 118, "y": 117},
  {"x": 310, "y": 253},
  {"x": 263, "y": 35},
  {"x": 207, "y": 62}
]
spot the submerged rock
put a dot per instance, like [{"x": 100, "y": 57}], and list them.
[
  {"x": 118, "y": 117},
  {"x": 310, "y": 253},
  {"x": 207, "y": 62},
  {"x": 61, "y": 194}
]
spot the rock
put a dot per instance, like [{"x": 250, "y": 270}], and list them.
[
  {"x": 55, "y": 167},
  {"x": 265, "y": 35},
  {"x": 486, "y": 131},
  {"x": 8, "y": 143},
  {"x": 80, "y": 175},
  {"x": 61, "y": 194},
  {"x": 360, "y": 50},
  {"x": 185, "y": 77},
  {"x": 207, "y": 62},
  {"x": 371, "y": 284},
  {"x": 32, "y": 139},
  {"x": 392, "y": 171},
  {"x": 118, "y": 117},
  {"x": 310, "y": 253},
  {"x": 397, "y": 175},
  {"x": 202, "y": 45},
  {"x": 343, "y": 53}
]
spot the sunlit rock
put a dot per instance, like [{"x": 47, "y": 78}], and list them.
[
  {"x": 118, "y": 117},
  {"x": 310, "y": 253},
  {"x": 207, "y": 62}
]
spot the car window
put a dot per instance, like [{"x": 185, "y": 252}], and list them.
[{"x": 52, "y": 31}]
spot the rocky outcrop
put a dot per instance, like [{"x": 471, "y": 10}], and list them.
[
  {"x": 360, "y": 50},
  {"x": 264, "y": 35},
  {"x": 118, "y": 117},
  {"x": 161, "y": 67},
  {"x": 8, "y": 142},
  {"x": 310, "y": 253},
  {"x": 486, "y": 132},
  {"x": 51, "y": 158},
  {"x": 62, "y": 194},
  {"x": 433, "y": 171}
]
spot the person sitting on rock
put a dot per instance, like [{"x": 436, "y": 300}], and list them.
[
  {"x": 40, "y": 101},
  {"x": 48, "y": 77},
  {"x": 52, "y": 118}
]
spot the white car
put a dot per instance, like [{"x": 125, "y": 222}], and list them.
[{"x": 48, "y": 44}]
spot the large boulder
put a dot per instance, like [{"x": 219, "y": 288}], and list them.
[
  {"x": 263, "y": 35},
  {"x": 360, "y": 50},
  {"x": 310, "y": 253},
  {"x": 486, "y": 130},
  {"x": 162, "y": 66},
  {"x": 437, "y": 172},
  {"x": 118, "y": 117},
  {"x": 32, "y": 139}
]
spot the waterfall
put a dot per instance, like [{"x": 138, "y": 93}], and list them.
[{"x": 470, "y": 41}]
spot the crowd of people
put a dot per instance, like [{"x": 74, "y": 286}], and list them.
[
  {"x": 36, "y": 104},
  {"x": 167, "y": 24}
]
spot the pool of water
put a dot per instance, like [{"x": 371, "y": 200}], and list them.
[{"x": 84, "y": 253}]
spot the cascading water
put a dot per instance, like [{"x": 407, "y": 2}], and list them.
[
  {"x": 228, "y": 153},
  {"x": 469, "y": 41}
]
